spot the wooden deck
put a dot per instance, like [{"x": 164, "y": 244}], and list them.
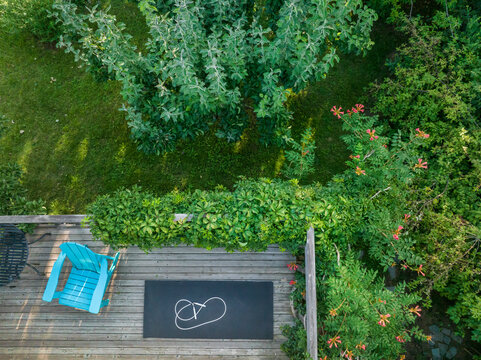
[{"x": 33, "y": 329}]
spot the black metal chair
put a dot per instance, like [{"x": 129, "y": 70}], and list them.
[{"x": 14, "y": 253}]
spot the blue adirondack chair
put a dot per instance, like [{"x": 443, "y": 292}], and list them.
[{"x": 88, "y": 280}]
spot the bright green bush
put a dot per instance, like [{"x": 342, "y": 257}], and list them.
[
  {"x": 435, "y": 86},
  {"x": 254, "y": 215},
  {"x": 220, "y": 64},
  {"x": 436, "y": 76}
]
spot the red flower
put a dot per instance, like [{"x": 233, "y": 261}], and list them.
[
  {"x": 416, "y": 310},
  {"x": 348, "y": 354},
  {"x": 359, "y": 107},
  {"x": 334, "y": 341},
  {"x": 384, "y": 319},
  {"x": 359, "y": 171},
  {"x": 421, "y": 164},
  {"x": 361, "y": 346},
  {"x": 293, "y": 266},
  {"x": 421, "y": 134},
  {"x": 420, "y": 270},
  {"x": 371, "y": 134},
  {"x": 337, "y": 112},
  {"x": 406, "y": 217},
  {"x": 292, "y": 282},
  {"x": 354, "y": 156},
  {"x": 400, "y": 339},
  {"x": 397, "y": 232}
]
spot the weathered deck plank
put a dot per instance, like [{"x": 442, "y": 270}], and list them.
[{"x": 33, "y": 329}]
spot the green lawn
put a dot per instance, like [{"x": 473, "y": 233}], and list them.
[{"x": 66, "y": 131}]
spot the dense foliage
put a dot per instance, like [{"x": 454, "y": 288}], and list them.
[
  {"x": 359, "y": 317},
  {"x": 13, "y": 195},
  {"x": 300, "y": 156},
  {"x": 31, "y": 16},
  {"x": 435, "y": 85},
  {"x": 220, "y": 64},
  {"x": 361, "y": 209},
  {"x": 450, "y": 246},
  {"x": 254, "y": 215}
]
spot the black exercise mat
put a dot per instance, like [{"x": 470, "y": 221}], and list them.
[{"x": 208, "y": 309}]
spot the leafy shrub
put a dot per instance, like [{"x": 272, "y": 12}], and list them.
[
  {"x": 450, "y": 246},
  {"x": 373, "y": 197},
  {"x": 216, "y": 63},
  {"x": 256, "y": 214},
  {"x": 394, "y": 11},
  {"x": 359, "y": 317},
  {"x": 436, "y": 80},
  {"x": 296, "y": 344},
  {"x": 13, "y": 196},
  {"x": 435, "y": 86},
  {"x": 300, "y": 157}
]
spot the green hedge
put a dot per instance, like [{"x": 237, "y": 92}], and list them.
[{"x": 254, "y": 215}]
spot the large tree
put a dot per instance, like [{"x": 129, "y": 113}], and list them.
[{"x": 213, "y": 62}]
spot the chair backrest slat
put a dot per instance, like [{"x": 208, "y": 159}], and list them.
[
  {"x": 89, "y": 256},
  {"x": 81, "y": 256}
]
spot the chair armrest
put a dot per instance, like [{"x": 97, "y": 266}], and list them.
[
  {"x": 49, "y": 292},
  {"x": 99, "y": 291},
  {"x": 114, "y": 263}
]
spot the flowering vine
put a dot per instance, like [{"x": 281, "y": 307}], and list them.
[
  {"x": 372, "y": 134},
  {"x": 337, "y": 112},
  {"x": 415, "y": 310},
  {"x": 421, "y": 164},
  {"x": 359, "y": 171},
  {"x": 334, "y": 341},
  {"x": 420, "y": 270},
  {"x": 292, "y": 266},
  {"x": 397, "y": 232},
  {"x": 384, "y": 319},
  {"x": 421, "y": 134}
]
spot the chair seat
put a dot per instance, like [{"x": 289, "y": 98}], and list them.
[{"x": 79, "y": 289}]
